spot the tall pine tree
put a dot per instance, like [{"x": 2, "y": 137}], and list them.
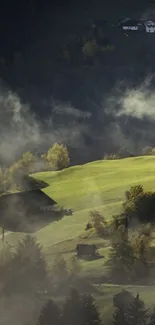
[
  {"x": 72, "y": 309},
  {"x": 121, "y": 257},
  {"x": 120, "y": 316},
  {"x": 80, "y": 310},
  {"x": 137, "y": 314},
  {"x": 91, "y": 315},
  {"x": 50, "y": 314},
  {"x": 152, "y": 318}
]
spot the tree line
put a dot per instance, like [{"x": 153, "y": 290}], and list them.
[
  {"x": 24, "y": 272},
  {"x": 125, "y": 153},
  {"x": 81, "y": 309},
  {"x": 131, "y": 257},
  {"x": 56, "y": 158}
]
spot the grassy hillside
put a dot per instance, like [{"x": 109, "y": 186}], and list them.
[{"x": 99, "y": 185}]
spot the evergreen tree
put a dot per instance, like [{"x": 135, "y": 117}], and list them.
[
  {"x": 27, "y": 270},
  {"x": 72, "y": 308},
  {"x": 72, "y": 312},
  {"x": 60, "y": 274},
  {"x": 50, "y": 314},
  {"x": 152, "y": 318},
  {"x": 137, "y": 314},
  {"x": 121, "y": 256},
  {"x": 142, "y": 250},
  {"x": 80, "y": 310},
  {"x": 120, "y": 316},
  {"x": 91, "y": 315}
]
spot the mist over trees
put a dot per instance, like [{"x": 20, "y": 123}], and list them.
[{"x": 16, "y": 176}]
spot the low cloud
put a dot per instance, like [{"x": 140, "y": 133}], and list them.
[
  {"x": 20, "y": 130},
  {"x": 139, "y": 103},
  {"x": 131, "y": 113}
]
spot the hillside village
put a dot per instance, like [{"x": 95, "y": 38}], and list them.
[{"x": 140, "y": 25}]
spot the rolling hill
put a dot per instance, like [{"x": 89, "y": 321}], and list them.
[{"x": 99, "y": 185}]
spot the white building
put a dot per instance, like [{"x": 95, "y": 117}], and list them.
[
  {"x": 130, "y": 27},
  {"x": 129, "y": 24},
  {"x": 150, "y": 26}
]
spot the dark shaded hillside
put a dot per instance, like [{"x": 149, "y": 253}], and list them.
[{"x": 35, "y": 71}]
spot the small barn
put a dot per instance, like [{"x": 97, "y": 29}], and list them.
[{"x": 86, "y": 250}]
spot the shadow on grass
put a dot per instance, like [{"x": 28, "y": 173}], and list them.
[
  {"x": 33, "y": 223},
  {"x": 29, "y": 211},
  {"x": 28, "y": 183}
]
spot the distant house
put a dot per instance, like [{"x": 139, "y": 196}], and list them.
[
  {"x": 150, "y": 26},
  {"x": 86, "y": 250},
  {"x": 129, "y": 24}
]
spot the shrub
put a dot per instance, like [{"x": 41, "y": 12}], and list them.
[
  {"x": 98, "y": 223},
  {"x": 153, "y": 151},
  {"x": 111, "y": 156},
  {"x": 139, "y": 205},
  {"x": 147, "y": 151},
  {"x": 90, "y": 48},
  {"x": 88, "y": 226},
  {"x": 58, "y": 156},
  {"x": 116, "y": 222},
  {"x": 145, "y": 207},
  {"x": 27, "y": 161},
  {"x": 133, "y": 192}
]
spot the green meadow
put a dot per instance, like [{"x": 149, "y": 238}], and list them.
[{"x": 97, "y": 185}]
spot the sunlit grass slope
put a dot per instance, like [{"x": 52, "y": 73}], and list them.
[{"x": 97, "y": 185}]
